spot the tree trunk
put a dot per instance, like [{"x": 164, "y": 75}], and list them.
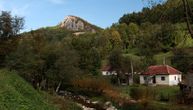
[
  {"x": 190, "y": 11},
  {"x": 118, "y": 77},
  {"x": 58, "y": 87},
  {"x": 186, "y": 6}
]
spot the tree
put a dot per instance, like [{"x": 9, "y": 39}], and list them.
[
  {"x": 25, "y": 61},
  {"x": 6, "y": 25},
  {"x": 123, "y": 31},
  {"x": 114, "y": 38},
  {"x": 133, "y": 33},
  {"x": 17, "y": 25},
  {"x": 124, "y": 63},
  {"x": 185, "y": 5},
  {"x": 148, "y": 43},
  {"x": 115, "y": 60},
  {"x": 165, "y": 36},
  {"x": 189, "y": 16},
  {"x": 102, "y": 43},
  {"x": 66, "y": 67},
  {"x": 10, "y": 26},
  {"x": 90, "y": 58},
  {"x": 183, "y": 59}
]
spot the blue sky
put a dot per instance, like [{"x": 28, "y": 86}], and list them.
[{"x": 42, "y": 13}]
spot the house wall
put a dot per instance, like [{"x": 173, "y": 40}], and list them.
[
  {"x": 108, "y": 73},
  {"x": 169, "y": 79},
  {"x": 162, "y": 82},
  {"x": 174, "y": 79},
  {"x": 142, "y": 80},
  {"x": 104, "y": 73}
]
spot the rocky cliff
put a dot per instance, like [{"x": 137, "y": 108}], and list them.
[{"x": 77, "y": 24}]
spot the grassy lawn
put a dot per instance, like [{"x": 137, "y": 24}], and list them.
[{"x": 17, "y": 94}]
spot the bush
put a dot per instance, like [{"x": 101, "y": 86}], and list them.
[
  {"x": 163, "y": 97},
  {"x": 141, "y": 92},
  {"x": 137, "y": 93},
  {"x": 158, "y": 93},
  {"x": 92, "y": 84},
  {"x": 64, "y": 104}
]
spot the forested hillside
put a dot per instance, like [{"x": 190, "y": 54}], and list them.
[
  {"x": 169, "y": 11},
  {"x": 159, "y": 31}
]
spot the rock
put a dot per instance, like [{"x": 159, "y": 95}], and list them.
[
  {"x": 111, "y": 108},
  {"x": 108, "y": 105},
  {"x": 95, "y": 102},
  {"x": 78, "y": 33},
  {"x": 77, "y": 24},
  {"x": 85, "y": 108}
]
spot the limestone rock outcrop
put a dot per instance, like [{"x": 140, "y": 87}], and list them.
[{"x": 77, "y": 24}]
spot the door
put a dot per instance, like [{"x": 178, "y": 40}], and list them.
[{"x": 154, "y": 79}]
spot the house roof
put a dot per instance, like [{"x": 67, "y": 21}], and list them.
[
  {"x": 106, "y": 68},
  {"x": 161, "y": 70}
]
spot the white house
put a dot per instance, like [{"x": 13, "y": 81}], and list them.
[
  {"x": 108, "y": 71},
  {"x": 161, "y": 75},
  {"x": 124, "y": 77}
]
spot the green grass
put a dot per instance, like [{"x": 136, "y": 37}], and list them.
[
  {"x": 155, "y": 93},
  {"x": 125, "y": 90},
  {"x": 17, "y": 94},
  {"x": 155, "y": 98}
]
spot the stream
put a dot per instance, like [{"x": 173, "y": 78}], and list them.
[{"x": 85, "y": 103}]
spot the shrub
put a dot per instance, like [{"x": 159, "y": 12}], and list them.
[
  {"x": 164, "y": 97},
  {"x": 92, "y": 84},
  {"x": 137, "y": 93}
]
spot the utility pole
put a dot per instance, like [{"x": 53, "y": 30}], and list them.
[
  {"x": 164, "y": 60},
  {"x": 132, "y": 71}
]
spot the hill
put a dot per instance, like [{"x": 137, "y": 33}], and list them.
[
  {"x": 70, "y": 26},
  {"x": 17, "y": 94}
]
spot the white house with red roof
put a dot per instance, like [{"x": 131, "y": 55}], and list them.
[
  {"x": 161, "y": 75},
  {"x": 108, "y": 71}
]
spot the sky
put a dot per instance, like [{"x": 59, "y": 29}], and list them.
[{"x": 43, "y": 13}]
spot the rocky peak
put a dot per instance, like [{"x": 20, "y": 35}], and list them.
[{"x": 74, "y": 23}]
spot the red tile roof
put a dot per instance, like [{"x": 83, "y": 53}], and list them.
[
  {"x": 161, "y": 70},
  {"x": 106, "y": 68}
]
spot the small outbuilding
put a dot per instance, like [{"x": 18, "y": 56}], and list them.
[
  {"x": 108, "y": 71},
  {"x": 161, "y": 75},
  {"x": 124, "y": 78}
]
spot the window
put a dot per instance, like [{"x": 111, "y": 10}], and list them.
[
  {"x": 174, "y": 77},
  {"x": 145, "y": 78},
  {"x": 163, "y": 78}
]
